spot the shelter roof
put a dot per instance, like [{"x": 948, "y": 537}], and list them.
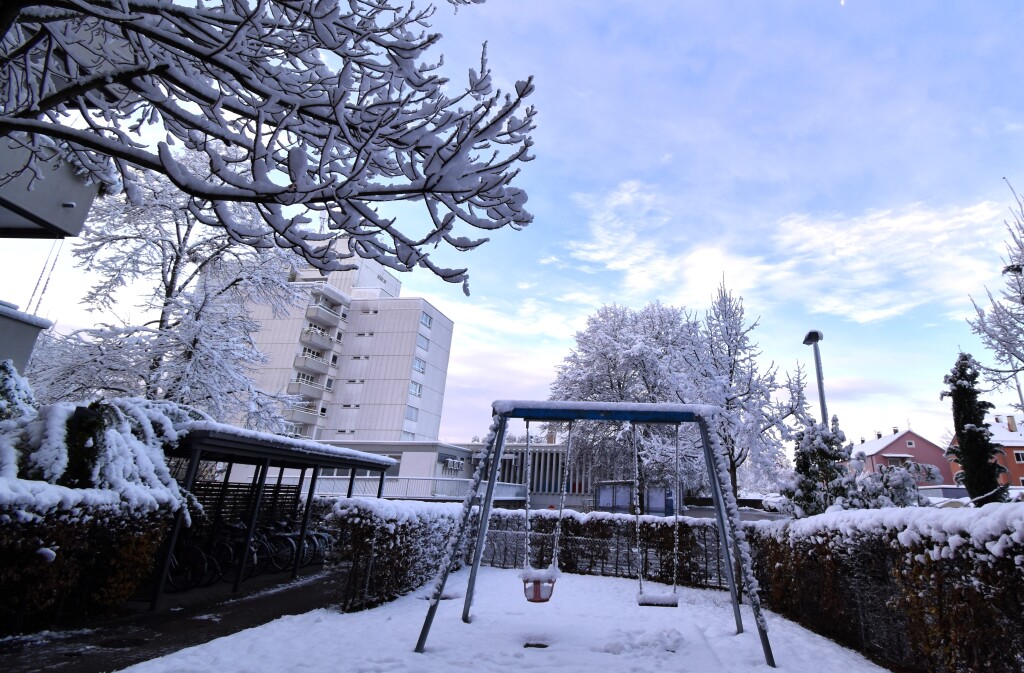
[{"x": 226, "y": 443}]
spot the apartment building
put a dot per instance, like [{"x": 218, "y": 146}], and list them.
[{"x": 367, "y": 364}]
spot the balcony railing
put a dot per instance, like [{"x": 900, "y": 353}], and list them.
[
  {"x": 413, "y": 488},
  {"x": 319, "y": 313},
  {"x": 311, "y": 363},
  {"x": 306, "y": 389},
  {"x": 301, "y": 415},
  {"x": 316, "y": 338}
]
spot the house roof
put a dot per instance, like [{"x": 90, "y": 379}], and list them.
[
  {"x": 876, "y": 446},
  {"x": 1000, "y": 430}
]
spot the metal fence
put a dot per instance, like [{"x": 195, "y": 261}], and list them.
[{"x": 608, "y": 546}]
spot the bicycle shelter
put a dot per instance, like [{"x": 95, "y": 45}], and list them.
[
  {"x": 222, "y": 443},
  {"x": 724, "y": 500}
]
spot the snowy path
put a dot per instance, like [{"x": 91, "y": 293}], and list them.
[{"x": 591, "y": 624}]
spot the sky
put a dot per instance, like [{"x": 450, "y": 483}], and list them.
[
  {"x": 590, "y": 624},
  {"x": 841, "y": 167}
]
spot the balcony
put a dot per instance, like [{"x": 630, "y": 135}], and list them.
[
  {"x": 315, "y": 338},
  {"x": 301, "y": 415},
  {"x": 322, "y": 315},
  {"x": 308, "y": 363},
  {"x": 306, "y": 389}
]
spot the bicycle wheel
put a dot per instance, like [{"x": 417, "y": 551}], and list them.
[
  {"x": 259, "y": 553},
  {"x": 282, "y": 552},
  {"x": 188, "y": 566}
]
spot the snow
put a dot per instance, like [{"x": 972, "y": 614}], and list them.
[
  {"x": 9, "y": 310},
  {"x": 984, "y": 531},
  {"x": 504, "y": 407},
  {"x": 590, "y": 624},
  {"x": 303, "y": 445}
]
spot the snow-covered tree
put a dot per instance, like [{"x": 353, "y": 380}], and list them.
[
  {"x": 297, "y": 106},
  {"x": 721, "y": 368},
  {"x": 826, "y": 476},
  {"x": 1000, "y": 324},
  {"x": 972, "y": 448},
  {"x": 666, "y": 354},
  {"x": 195, "y": 345},
  {"x": 820, "y": 473}
]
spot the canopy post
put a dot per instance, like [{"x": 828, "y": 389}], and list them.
[
  {"x": 305, "y": 520},
  {"x": 172, "y": 539}
]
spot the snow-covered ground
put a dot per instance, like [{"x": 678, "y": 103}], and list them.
[{"x": 591, "y": 624}]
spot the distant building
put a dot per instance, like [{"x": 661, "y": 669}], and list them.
[
  {"x": 1007, "y": 434},
  {"x": 366, "y": 364},
  {"x": 903, "y": 447}
]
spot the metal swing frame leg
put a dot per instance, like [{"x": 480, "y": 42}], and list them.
[
  {"x": 727, "y": 527},
  {"x": 492, "y": 453}
]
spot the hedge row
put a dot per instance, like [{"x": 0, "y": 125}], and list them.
[
  {"x": 916, "y": 590},
  {"x": 72, "y": 563}
]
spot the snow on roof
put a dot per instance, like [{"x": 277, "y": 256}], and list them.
[
  {"x": 10, "y": 310},
  {"x": 299, "y": 445},
  {"x": 1000, "y": 430},
  {"x": 880, "y": 444}
]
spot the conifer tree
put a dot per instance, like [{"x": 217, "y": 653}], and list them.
[
  {"x": 972, "y": 447},
  {"x": 821, "y": 476}
]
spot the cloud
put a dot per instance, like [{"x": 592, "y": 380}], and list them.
[
  {"x": 885, "y": 263},
  {"x": 865, "y": 267}
]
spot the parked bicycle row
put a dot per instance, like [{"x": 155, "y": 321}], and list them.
[{"x": 201, "y": 561}]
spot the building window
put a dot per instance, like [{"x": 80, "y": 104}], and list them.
[
  {"x": 303, "y": 377},
  {"x": 422, "y": 342},
  {"x": 340, "y": 336},
  {"x": 344, "y": 316},
  {"x": 356, "y": 381},
  {"x": 415, "y": 389},
  {"x": 310, "y": 353},
  {"x": 1022, "y": 481},
  {"x": 910, "y": 443},
  {"x": 364, "y": 334},
  {"x": 419, "y": 365},
  {"x": 426, "y": 320},
  {"x": 412, "y": 414},
  {"x": 334, "y": 360},
  {"x": 367, "y": 311},
  {"x": 408, "y": 436},
  {"x": 1018, "y": 456},
  {"x": 323, "y": 411},
  {"x": 330, "y": 384}
]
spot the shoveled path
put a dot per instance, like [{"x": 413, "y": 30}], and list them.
[{"x": 138, "y": 634}]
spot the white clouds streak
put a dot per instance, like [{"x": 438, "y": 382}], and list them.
[{"x": 863, "y": 268}]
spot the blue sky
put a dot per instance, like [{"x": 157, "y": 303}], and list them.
[{"x": 839, "y": 166}]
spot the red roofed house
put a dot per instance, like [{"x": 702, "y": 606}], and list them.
[
  {"x": 1007, "y": 434},
  {"x": 903, "y": 447}
]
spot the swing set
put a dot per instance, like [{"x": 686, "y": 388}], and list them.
[{"x": 539, "y": 584}]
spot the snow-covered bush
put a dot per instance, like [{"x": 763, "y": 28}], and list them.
[
  {"x": 827, "y": 477},
  {"x": 388, "y": 548},
  {"x": 85, "y": 498},
  {"x": 914, "y": 589}
]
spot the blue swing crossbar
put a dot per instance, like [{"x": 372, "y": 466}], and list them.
[{"x": 603, "y": 411}]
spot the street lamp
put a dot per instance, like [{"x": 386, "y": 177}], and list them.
[{"x": 812, "y": 339}]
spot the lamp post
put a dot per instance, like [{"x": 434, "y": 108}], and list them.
[{"x": 812, "y": 339}]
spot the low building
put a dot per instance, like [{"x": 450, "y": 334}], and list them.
[
  {"x": 903, "y": 447},
  {"x": 1008, "y": 435}
]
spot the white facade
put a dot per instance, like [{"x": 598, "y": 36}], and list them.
[{"x": 367, "y": 365}]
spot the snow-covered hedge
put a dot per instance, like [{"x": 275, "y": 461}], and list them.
[
  {"x": 85, "y": 499},
  {"x": 915, "y": 589},
  {"x": 387, "y": 547},
  {"x": 602, "y": 543}
]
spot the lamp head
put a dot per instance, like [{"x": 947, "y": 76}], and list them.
[{"x": 813, "y": 337}]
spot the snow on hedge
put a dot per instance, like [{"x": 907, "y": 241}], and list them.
[
  {"x": 69, "y": 458},
  {"x": 994, "y": 530}
]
